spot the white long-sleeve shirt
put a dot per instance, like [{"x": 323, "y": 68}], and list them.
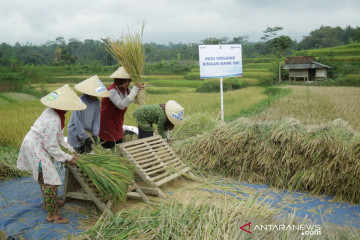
[
  {"x": 42, "y": 143},
  {"x": 120, "y": 100}
]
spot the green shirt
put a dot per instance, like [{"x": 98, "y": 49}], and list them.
[{"x": 148, "y": 115}]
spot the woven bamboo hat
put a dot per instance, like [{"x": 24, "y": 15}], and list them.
[
  {"x": 120, "y": 73},
  {"x": 93, "y": 86},
  {"x": 174, "y": 112},
  {"x": 63, "y": 98}
]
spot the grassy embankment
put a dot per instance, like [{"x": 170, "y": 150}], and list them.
[{"x": 343, "y": 60}]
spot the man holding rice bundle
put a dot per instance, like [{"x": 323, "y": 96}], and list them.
[
  {"x": 41, "y": 146},
  {"x": 165, "y": 116},
  {"x": 88, "y": 120},
  {"x": 113, "y": 108}
]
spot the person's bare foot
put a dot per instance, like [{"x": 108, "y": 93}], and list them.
[{"x": 57, "y": 219}]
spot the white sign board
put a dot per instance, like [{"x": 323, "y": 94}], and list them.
[{"x": 218, "y": 61}]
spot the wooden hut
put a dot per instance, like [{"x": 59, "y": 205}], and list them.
[{"x": 305, "y": 68}]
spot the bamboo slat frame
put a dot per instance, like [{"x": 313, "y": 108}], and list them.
[
  {"x": 156, "y": 163},
  {"x": 74, "y": 176}
]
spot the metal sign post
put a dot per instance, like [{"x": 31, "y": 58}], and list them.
[
  {"x": 222, "y": 99},
  {"x": 218, "y": 61}
]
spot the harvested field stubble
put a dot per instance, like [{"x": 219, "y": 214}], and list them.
[
  {"x": 316, "y": 105},
  {"x": 321, "y": 159}
]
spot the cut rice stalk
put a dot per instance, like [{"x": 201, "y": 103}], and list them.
[
  {"x": 130, "y": 54},
  {"x": 110, "y": 173}
]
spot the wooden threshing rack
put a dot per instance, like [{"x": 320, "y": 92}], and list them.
[
  {"x": 79, "y": 186},
  {"x": 156, "y": 163}
]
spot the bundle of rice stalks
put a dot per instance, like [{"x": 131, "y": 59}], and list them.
[
  {"x": 321, "y": 159},
  {"x": 110, "y": 173},
  {"x": 194, "y": 125},
  {"x": 130, "y": 54}
]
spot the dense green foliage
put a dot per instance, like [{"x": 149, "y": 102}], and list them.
[
  {"x": 213, "y": 85},
  {"x": 60, "y": 52}
]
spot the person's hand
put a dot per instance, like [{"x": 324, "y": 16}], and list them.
[
  {"x": 95, "y": 139},
  {"x": 73, "y": 160},
  {"x": 140, "y": 85},
  {"x": 88, "y": 144}
]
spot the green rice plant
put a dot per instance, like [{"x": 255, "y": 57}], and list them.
[
  {"x": 256, "y": 60},
  {"x": 213, "y": 85},
  {"x": 168, "y": 90},
  {"x": 110, "y": 173},
  {"x": 130, "y": 54},
  {"x": 257, "y": 66},
  {"x": 250, "y": 81},
  {"x": 192, "y": 76},
  {"x": 333, "y": 52},
  {"x": 159, "y": 77},
  {"x": 357, "y": 76},
  {"x": 8, "y": 159},
  {"x": 246, "y": 70},
  {"x": 342, "y": 59},
  {"x": 258, "y": 74},
  {"x": 16, "y": 120},
  {"x": 176, "y": 83}
]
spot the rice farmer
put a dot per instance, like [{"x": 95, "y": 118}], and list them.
[
  {"x": 165, "y": 116},
  {"x": 41, "y": 146},
  {"x": 88, "y": 120},
  {"x": 114, "y": 107}
]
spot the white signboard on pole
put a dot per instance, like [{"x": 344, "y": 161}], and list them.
[{"x": 218, "y": 61}]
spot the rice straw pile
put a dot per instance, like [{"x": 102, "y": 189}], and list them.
[
  {"x": 176, "y": 221},
  {"x": 193, "y": 125},
  {"x": 209, "y": 220},
  {"x": 110, "y": 173},
  {"x": 130, "y": 54},
  {"x": 321, "y": 159}
]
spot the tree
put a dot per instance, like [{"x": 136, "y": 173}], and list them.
[
  {"x": 271, "y": 33},
  {"x": 324, "y": 37},
  {"x": 277, "y": 45},
  {"x": 215, "y": 41},
  {"x": 280, "y": 44},
  {"x": 240, "y": 40}
]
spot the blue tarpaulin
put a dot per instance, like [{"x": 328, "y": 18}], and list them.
[
  {"x": 21, "y": 212},
  {"x": 319, "y": 209}
]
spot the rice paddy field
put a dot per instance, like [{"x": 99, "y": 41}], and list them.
[
  {"x": 308, "y": 140},
  {"x": 344, "y": 58}
]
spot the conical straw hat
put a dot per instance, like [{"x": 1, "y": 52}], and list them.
[
  {"x": 63, "y": 98},
  {"x": 120, "y": 73},
  {"x": 93, "y": 86},
  {"x": 174, "y": 112}
]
